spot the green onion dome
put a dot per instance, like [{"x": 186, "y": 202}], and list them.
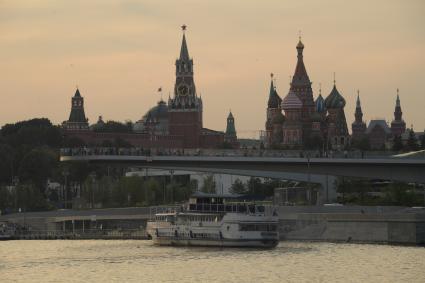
[{"x": 334, "y": 100}]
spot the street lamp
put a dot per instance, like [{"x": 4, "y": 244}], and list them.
[
  {"x": 308, "y": 178},
  {"x": 15, "y": 182},
  {"x": 65, "y": 174},
  {"x": 93, "y": 178}
]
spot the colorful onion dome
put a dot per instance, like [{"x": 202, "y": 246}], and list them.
[
  {"x": 291, "y": 101},
  {"x": 320, "y": 104},
  {"x": 274, "y": 98},
  {"x": 334, "y": 100}
]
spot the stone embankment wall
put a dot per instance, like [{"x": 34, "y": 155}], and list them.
[
  {"x": 369, "y": 224},
  {"x": 389, "y": 225}
]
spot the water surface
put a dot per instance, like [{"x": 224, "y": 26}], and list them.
[{"x": 139, "y": 261}]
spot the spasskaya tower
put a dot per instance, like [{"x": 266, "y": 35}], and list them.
[{"x": 185, "y": 107}]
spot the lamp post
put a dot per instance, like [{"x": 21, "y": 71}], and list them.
[
  {"x": 93, "y": 179},
  {"x": 65, "y": 174},
  {"x": 15, "y": 182},
  {"x": 172, "y": 186},
  {"x": 308, "y": 178}
]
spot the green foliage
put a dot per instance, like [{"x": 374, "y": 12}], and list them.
[
  {"x": 254, "y": 187},
  {"x": 412, "y": 142},
  {"x": 209, "y": 185},
  {"x": 6, "y": 163},
  {"x": 6, "y": 199},
  {"x": 361, "y": 144},
  {"x": 397, "y": 143},
  {"x": 73, "y": 142},
  {"x": 238, "y": 187},
  {"x": 37, "y": 166},
  {"x": 134, "y": 191},
  {"x": 35, "y": 132},
  {"x": 116, "y": 127},
  {"x": 363, "y": 192}
]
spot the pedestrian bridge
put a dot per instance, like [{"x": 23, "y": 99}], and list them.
[{"x": 395, "y": 169}]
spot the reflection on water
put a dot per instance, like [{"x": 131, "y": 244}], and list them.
[{"x": 139, "y": 261}]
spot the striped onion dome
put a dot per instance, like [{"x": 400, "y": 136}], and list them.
[
  {"x": 334, "y": 100},
  {"x": 320, "y": 104},
  {"x": 291, "y": 101}
]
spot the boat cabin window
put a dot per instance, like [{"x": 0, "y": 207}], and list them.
[{"x": 257, "y": 227}]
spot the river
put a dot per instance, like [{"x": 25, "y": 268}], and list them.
[{"x": 139, "y": 261}]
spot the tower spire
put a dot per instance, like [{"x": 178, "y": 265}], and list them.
[
  {"x": 184, "y": 53},
  {"x": 272, "y": 89},
  {"x": 300, "y": 77},
  {"x": 358, "y": 99},
  {"x": 398, "y": 99}
]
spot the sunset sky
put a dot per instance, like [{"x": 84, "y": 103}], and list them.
[{"x": 120, "y": 52}]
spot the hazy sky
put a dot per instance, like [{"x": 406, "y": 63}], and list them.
[{"x": 120, "y": 52}]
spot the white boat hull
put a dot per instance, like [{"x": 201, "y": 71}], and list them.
[{"x": 258, "y": 243}]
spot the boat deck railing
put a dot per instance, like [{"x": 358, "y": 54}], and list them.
[{"x": 235, "y": 208}]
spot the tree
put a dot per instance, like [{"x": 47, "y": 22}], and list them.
[
  {"x": 238, "y": 188},
  {"x": 423, "y": 141},
  {"x": 362, "y": 143},
  {"x": 73, "y": 142},
  {"x": 254, "y": 186},
  {"x": 30, "y": 198},
  {"x": 397, "y": 143},
  {"x": 34, "y": 132},
  {"x": 37, "y": 166},
  {"x": 6, "y": 163},
  {"x": 116, "y": 127},
  {"x": 6, "y": 199},
  {"x": 209, "y": 185},
  {"x": 412, "y": 142}
]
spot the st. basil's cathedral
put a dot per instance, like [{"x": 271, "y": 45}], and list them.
[{"x": 298, "y": 121}]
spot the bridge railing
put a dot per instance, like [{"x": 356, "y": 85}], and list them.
[{"x": 139, "y": 151}]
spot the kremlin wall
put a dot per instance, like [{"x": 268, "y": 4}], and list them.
[{"x": 296, "y": 121}]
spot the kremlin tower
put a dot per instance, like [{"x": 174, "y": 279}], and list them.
[
  {"x": 77, "y": 118},
  {"x": 274, "y": 115},
  {"x": 185, "y": 108},
  {"x": 359, "y": 126},
  {"x": 230, "y": 136},
  {"x": 398, "y": 126}
]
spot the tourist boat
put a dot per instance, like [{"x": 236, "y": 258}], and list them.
[{"x": 216, "y": 220}]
